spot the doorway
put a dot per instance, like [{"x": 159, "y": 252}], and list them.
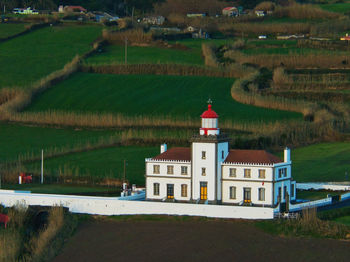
[
  {"x": 247, "y": 196},
  {"x": 204, "y": 190}
]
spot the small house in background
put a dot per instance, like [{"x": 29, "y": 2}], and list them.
[
  {"x": 191, "y": 29},
  {"x": 230, "y": 11},
  {"x": 260, "y": 13},
  {"x": 71, "y": 9},
  {"x": 25, "y": 11},
  {"x": 154, "y": 20},
  {"x": 102, "y": 16},
  {"x": 346, "y": 37},
  {"x": 200, "y": 34}
]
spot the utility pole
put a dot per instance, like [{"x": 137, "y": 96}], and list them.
[
  {"x": 132, "y": 14},
  {"x": 124, "y": 175},
  {"x": 42, "y": 167},
  {"x": 126, "y": 50}
]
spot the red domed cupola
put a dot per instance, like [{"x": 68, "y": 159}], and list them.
[
  {"x": 209, "y": 123},
  {"x": 209, "y": 113}
]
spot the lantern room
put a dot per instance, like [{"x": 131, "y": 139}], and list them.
[{"x": 209, "y": 123}]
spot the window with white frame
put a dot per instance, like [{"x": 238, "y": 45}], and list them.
[
  {"x": 184, "y": 190},
  {"x": 203, "y": 155},
  {"x": 170, "y": 170},
  {"x": 261, "y": 194},
  {"x": 232, "y": 192},
  {"x": 156, "y": 189},
  {"x": 247, "y": 173},
  {"x": 203, "y": 171},
  {"x": 262, "y": 173},
  {"x": 232, "y": 172},
  {"x": 184, "y": 170},
  {"x": 156, "y": 169}
]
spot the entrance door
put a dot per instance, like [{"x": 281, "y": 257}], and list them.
[
  {"x": 204, "y": 190},
  {"x": 170, "y": 191},
  {"x": 247, "y": 195}
]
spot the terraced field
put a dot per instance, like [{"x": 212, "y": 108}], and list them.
[
  {"x": 26, "y": 59},
  {"x": 150, "y": 95}
]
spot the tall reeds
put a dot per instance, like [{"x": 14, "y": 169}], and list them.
[
  {"x": 210, "y": 59},
  {"x": 292, "y": 61},
  {"x": 133, "y": 36}
]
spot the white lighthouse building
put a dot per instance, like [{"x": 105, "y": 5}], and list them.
[{"x": 209, "y": 172}]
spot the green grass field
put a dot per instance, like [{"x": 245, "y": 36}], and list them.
[
  {"x": 338, "y": 7},
  {"x": 146, "y": 55},
  {"x": 64, "y": 189},
  {"x": 7, "y": 29},
  {"x": 107, "y": 162},
  {"x": 147, "y": 95},
  {"x": 22, "y": 140},
  {"x": 115, "y": 54},
  {"x": 321, "y": 162},
  {"x": 26, "y": 59}
]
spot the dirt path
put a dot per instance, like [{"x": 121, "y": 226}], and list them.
[{"x": 193, "y": 241}]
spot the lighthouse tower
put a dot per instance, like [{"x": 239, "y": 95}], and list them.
[
  {"x": 209, "y": 150},
  {"x": 209, "y": 123}
]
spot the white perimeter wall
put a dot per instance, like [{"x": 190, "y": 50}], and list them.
[
  {"x": 322, "y": 186},
  {"x": 110, "y": 206}
]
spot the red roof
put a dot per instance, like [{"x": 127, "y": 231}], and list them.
[
  {"x": 230, "y": 8},
  {"x": 251, "y": 157},
  {"x": 175, "y": 153},
  {"x": 76, "y": 7},
  {"x": 209, "y": 113}
]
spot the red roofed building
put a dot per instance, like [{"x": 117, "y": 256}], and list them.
[
  {"x": 230, "y": 11},
  {"x": 72, "y": 9},
  {"x": 209, "y": 172}
]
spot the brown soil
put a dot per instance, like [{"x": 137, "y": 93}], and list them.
[{"x": 217, "y": 240}]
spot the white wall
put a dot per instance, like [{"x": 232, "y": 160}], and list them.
[
  {"x": 163, "y": 168},
  {"x": 110, "y": 206},
  {"x": 240, "y": 172},
  {"x": 163, "y": 187},
  {"x": 322, "y": 186},
  {"x": 209, "y": 164},
  {"x": 254, "y": 192}
]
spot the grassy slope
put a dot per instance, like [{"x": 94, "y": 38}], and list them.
[
  {"x": 150, "y": 95},
  {"x": 7, "y": 29},
  {"x": 321, "y": 162},
  {"x": 32, "y": 56},
  {"x": 103, "y": 162},
  {"x": 21, "y": 140}
]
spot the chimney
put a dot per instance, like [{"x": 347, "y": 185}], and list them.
[
  {"x": 286, "y": 155},
  {"x": 163, "y": 148}
]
